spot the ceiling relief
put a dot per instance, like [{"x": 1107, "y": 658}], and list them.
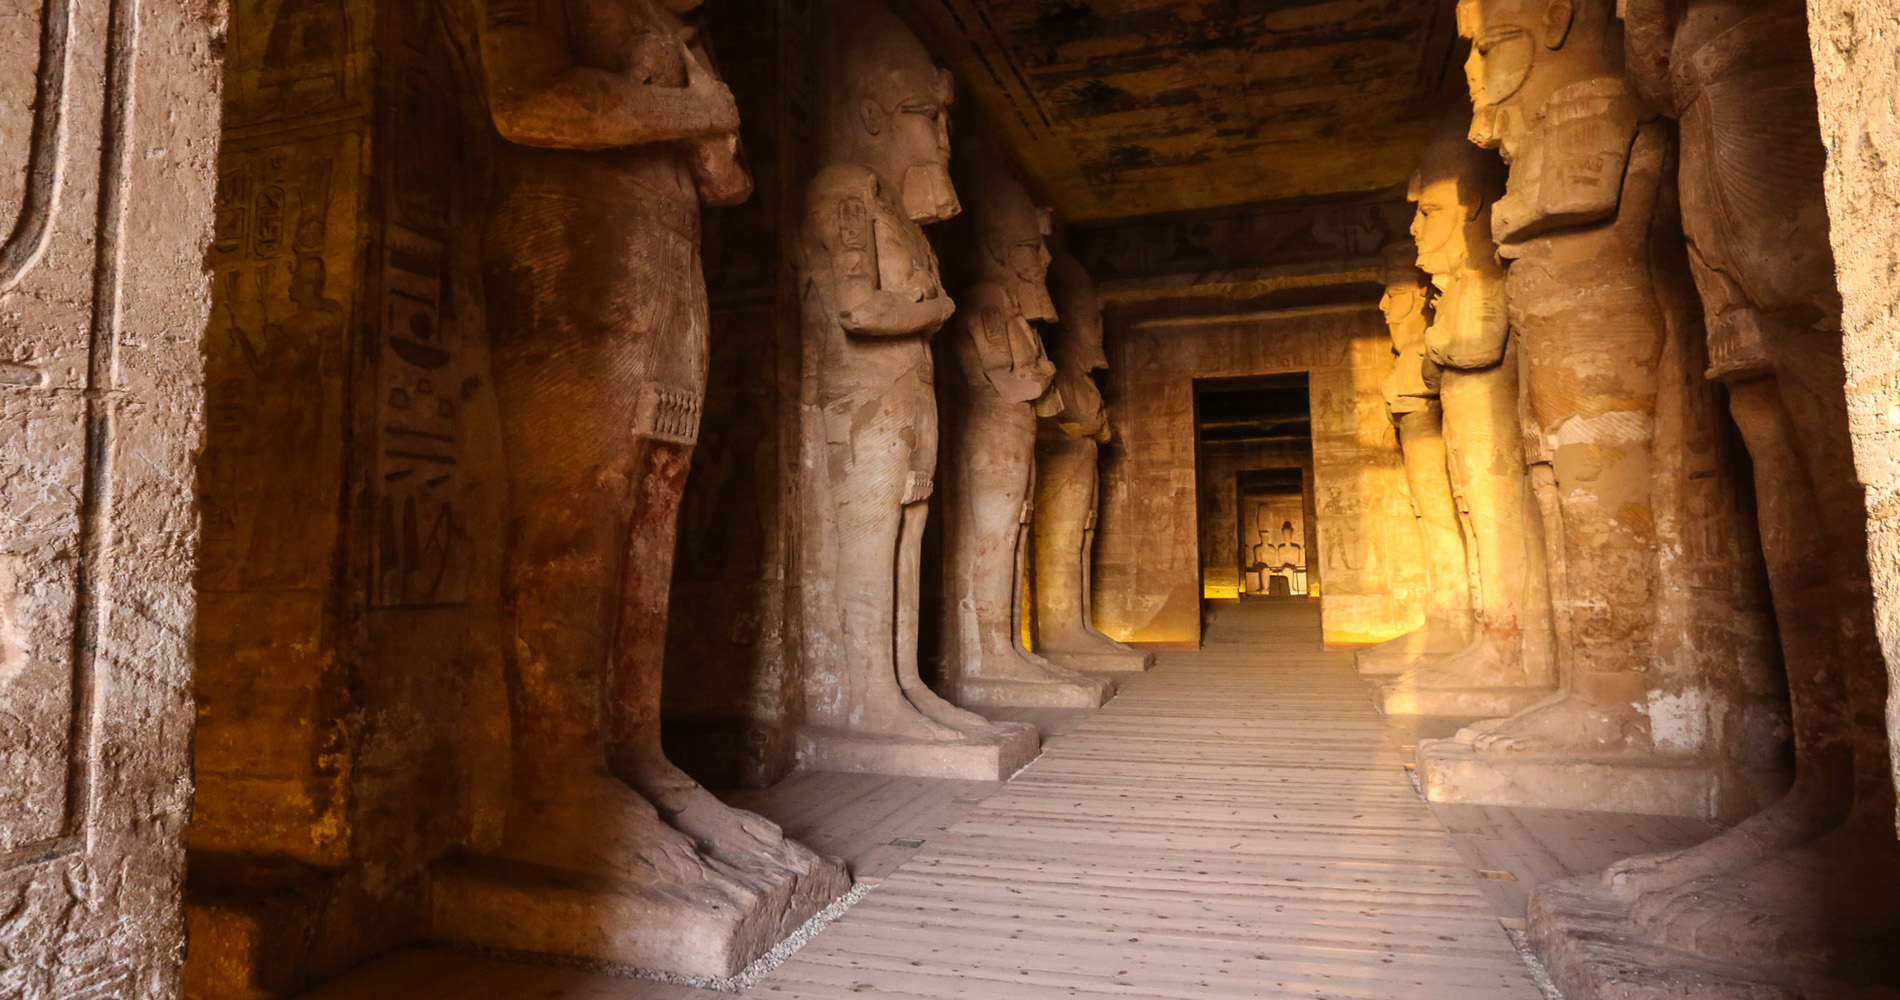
[{"x": 1131, "y": 107}]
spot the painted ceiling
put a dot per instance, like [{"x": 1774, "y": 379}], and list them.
[{"x": 1120, "y": 108}]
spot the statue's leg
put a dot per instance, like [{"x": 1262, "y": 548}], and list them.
[
  {"x": 909, "y": 592},
  {"x": 1802, "y": 573},
  {"x": 1484, "y": 457},
  {"x": 871, "y": 443},
  {"x": 569, "y": 461},
  {"x": 1000, "y": 462},
  {"x": 1447, "y": 627},
  {"x": 639, "y": 663},
  {"x": 1593, "y": 394}
]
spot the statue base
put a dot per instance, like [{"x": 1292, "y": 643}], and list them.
[
  {"x": 1083, "y": 692},
  {"x": 1131, "y": 662},
  {"x": 1741, "y": 942},
  {"x": 1472, "y": 703},
  {"x": 712, "y": 928},
  {"x": 990, "y": 754},
  {"x": 1407, "y": 652},
  {"x": 1650, "y": 784}
]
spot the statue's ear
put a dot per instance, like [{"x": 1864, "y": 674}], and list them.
[
  {"x": 873, "y": 115},
  {"x": 1558, "y": 17}
]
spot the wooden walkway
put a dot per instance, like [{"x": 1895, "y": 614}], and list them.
[{"x": 1236, "y": 824}]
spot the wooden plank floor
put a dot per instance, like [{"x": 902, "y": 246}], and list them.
[{"x": 1236, "y": 824}]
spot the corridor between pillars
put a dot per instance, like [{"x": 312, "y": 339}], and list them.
[{"x": 454, "y": 468}]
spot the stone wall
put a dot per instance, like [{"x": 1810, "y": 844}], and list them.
[
  {"x": 1147, "y": 571},
  {"x": 350, "y": 700},
  {"x": 108, "y": 119},
  {"x": 1856, "y": 47}
]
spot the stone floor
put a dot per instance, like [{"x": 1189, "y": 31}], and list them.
[{"x": 1238, "y": 823}]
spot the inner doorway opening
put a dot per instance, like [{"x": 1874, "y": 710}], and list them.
[{"x": 1259, "y": 534}]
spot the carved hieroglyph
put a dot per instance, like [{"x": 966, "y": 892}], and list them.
[
  {"x": 615, "y": 132},
  {"x": 872, "y": 299},
  {"x": 1001, "y": 379},
  {"x": 1414, "y": 405},
  {"x": 1068, "y": 444},
  {"x": 106, "y": 188},
  {"x": 1811, "y": 885},
  {"x": 1471, "y": 353}
]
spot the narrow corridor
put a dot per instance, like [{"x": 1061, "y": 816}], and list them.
[{"x": 1236, "y": 824}]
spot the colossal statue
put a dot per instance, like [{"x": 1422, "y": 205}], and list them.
[
  {"x": 1001, "y": 379},
  {"x": 1472, "y": 353},
  {"x": 615, "y": 131},
  {"x": 1587, "y": 194},
  {"x": 1817, "y": 873},
  {"x": 1414, "y": 406},
  {"x": 1067, "y": 450},
  {"x": 872, "y": 300}
]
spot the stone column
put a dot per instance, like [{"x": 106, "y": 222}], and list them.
[
  {"x": 1413, "y": 403},
  {"x": 999, "y": 381},
  {"x": 1596, "y": 293},
  {"x": 1067, "y": 451},
  {"x": 109, "y": 123},
  {"x": 1808, "y": 890},
  {"x": 598, "y": 316},
  {"x": 1470, "y": 356},
  {"x": 873, "y": 299}
]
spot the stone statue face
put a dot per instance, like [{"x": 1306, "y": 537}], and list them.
[
  {"x": 1010, "y": 229},
  {"x": 916, "y": 135},
  {"x": 1080, "y": 306},
  {"x": 1403, "y": 304},
  {"x": 1515, "y": 46},
  {"x": 1403, "y": 307},
  {"x": 891, "y": 110},
  {"x": 1028, "y": 258},
  {"x": 1439, "y": 226}
]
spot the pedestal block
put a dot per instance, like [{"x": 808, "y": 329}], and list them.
[
  {"x": 713, "y": 927},
  {"x": 984, "y": 755}
]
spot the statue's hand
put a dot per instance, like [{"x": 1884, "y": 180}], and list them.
[{"x": 712, "y": 94}]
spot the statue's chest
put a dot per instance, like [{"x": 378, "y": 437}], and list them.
[{"x": 629, "y": 38}]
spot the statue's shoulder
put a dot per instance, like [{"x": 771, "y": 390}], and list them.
[
  {"x": 1610, "y": 95},
  {"x": 840, "y": 181},
  {"x": 985, "y": 294}
]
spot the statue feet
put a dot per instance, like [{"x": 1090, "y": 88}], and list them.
[
  {"x": 731, "y": 835},
  {"x": 1569, "y": 724},
  {"x": 595, "y": 823},
  {"x": 1014, "y": 678},
  {"x": 1486, "y": 678},
  {"x": 1808, "y": 811},
  {"x": 894, "y": 714},
  {"x": 1413, "y": 650},
  {"x": 935, "y": 708},
  {"x": 1085, "y": 648}
]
